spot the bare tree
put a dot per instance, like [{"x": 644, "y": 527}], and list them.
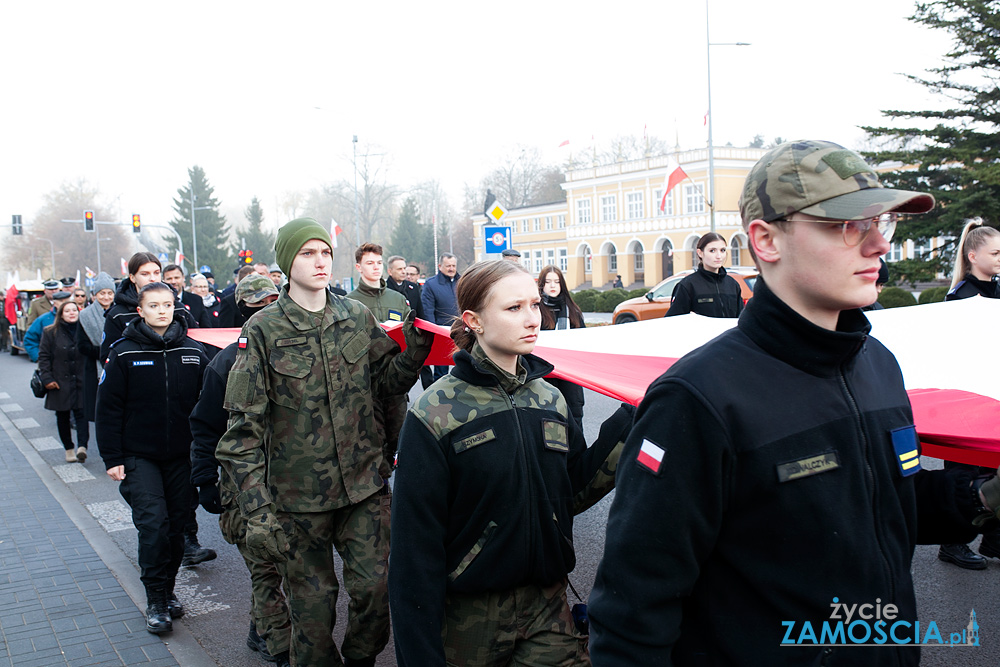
[{"x": 72, "y": 248}]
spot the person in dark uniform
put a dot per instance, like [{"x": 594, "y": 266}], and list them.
[
  {"x": 977, "y": 264},
  {"x": 149, "y": 386},
  {"x": 737, "y": 512},
  {"x": 708, "y": 291}
]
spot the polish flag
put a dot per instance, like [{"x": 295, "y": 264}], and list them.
[
  {"x": 178, "y": 258},
  {"x": 336, "y": 232},
  {"x": 650, "y": 456},
  {"x": 565, "y": 143},
  {"x": 674, "y": 176},
  {"x": 124, "y": 267},
  {"x": 704, "y": 121},
  {"x": 90, "y": 272}
]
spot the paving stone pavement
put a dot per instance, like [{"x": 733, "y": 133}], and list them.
[{"x": 60, "y": 604}]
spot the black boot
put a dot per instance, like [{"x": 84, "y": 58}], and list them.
[
  {"x": 257, "y": 643},
  {"x": 157, "y": 616},
  {"x": 283, "y": 659},
  {"x": 194, "y": 553},
  {"x": 174, "y": 606},
  {"x": 962, "y": 556}
]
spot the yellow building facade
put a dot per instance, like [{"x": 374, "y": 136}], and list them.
[{"x": 611, "y": 223}]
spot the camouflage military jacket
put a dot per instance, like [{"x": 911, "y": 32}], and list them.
[
  {"x": 386, "y": 305},
  {"x": 302, "y": 431}
]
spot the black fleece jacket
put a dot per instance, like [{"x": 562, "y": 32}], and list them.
[
  {"x": 123, "y": 311},
  {"x": 972, "y": 286},
  {"x": 209, "y": 419},
  {"x": 709, "y": 294},
  {"x": 780, "y": 489},
  {"x": 490, "y": 468},
  {"x": 145, "y": 397}
]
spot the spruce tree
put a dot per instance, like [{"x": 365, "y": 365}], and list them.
[
  {"x": 254, "y": 236},
  {"x": 952, "y": 153},
  {"x": 410, "y": 239},
  {"x": 213, "y": 234}
]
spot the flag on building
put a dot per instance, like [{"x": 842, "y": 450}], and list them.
[
  {"x": 565, "y": 143},
  {"x": 674, "y": 176}
]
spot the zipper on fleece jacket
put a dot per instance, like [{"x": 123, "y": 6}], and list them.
[
  {"x": 870, "y": 478},
  {"x": 524, "y": 467}
]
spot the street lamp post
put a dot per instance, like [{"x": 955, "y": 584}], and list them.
[
  {"x": 357, "y": 220},
  {"x": 711, "y": 149}
]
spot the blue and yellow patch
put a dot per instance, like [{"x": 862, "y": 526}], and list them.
[{"x": 907, "y": 448}]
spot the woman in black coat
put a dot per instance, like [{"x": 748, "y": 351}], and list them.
[
  {"x": 61, "y": 367},
  {"x": 559, "y": 311}
]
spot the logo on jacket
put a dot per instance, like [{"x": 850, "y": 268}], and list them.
[{"x": 142, "y": 363}]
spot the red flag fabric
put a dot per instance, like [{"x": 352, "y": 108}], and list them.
[
  {"x": 10, "y": 304},
  {"x": 674, "y": 176}
]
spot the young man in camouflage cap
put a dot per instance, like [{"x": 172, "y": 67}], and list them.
[
  {"x": 740, "y": 514},
  {"x": 303, "y": 447}
]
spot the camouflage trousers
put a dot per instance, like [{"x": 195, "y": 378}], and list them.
[
  {"x": 268, "y": 608},
  {"x": 360, "y": 534},
  {"x": 530, "y": 626}
]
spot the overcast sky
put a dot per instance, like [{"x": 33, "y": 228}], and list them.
[{"x": 129, "y": 95}]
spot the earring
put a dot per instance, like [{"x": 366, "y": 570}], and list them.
[
  {"x": 466, "y": 329},
  {"x": 479, "y": 330}
]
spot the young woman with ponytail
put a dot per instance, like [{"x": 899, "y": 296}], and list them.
[
  {"x": 491, "y": 470},
  {"x": 977, "y": 263}
]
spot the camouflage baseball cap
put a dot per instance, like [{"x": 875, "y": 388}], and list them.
[
  {"x": 823, "y": 179},
  {"x": 255, "y": 288}
]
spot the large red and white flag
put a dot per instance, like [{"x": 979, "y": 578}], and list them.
[
  {"x": 674, "y": 176},
  {"x": 124, "y": 266},
  {"x": 336, "y": 231}
]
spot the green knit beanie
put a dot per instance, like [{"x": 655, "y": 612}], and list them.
[{"x": 293, "y": 236}]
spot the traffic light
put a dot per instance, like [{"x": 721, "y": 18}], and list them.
[
  {"x": 135, "y": 223},
  {"x": 17, "y": 229},
  {"x": 88, "y": 221},
  {"x": 246, "y": 256}
]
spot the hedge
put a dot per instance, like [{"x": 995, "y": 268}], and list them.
[
  {"x": 896, "y": 297},
  {"x": 933, "y": 294}
]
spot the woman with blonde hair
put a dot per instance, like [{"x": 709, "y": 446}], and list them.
[
  {"x": 492, "y": 469},
  {"x": 977, "y": 262}
]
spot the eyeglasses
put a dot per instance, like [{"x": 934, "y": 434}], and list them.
[{"x": 856, "y": 231}]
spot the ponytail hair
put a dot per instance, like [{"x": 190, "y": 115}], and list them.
[
  {"x": 974, "y": 236},
  {"x": 473, "y": 292}
]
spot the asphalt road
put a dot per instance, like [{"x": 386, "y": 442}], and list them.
[{"x": 216, "y": 594}]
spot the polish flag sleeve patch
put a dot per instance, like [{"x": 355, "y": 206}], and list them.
[
  {"x": 241, "y": 343},
  {"x": 650, "y": 456}
]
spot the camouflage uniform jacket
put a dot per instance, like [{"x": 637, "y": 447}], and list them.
[
  {"x": 386, "y": 305},
  {"x": 489, "y": 469},
  {"x": 302, "y": 432}
]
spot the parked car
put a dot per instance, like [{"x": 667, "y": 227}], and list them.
[
  {"x": 656, "y": 302},
  {"x": 26, "y": 291}
]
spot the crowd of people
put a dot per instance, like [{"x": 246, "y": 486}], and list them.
[{"x": 727, "y": 502}]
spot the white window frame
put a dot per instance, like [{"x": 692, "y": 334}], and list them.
[
  {"x": 609, "y": 208},
  {"x": 613, "y": 259},
  {"x": 895, "y": 252},
  {"x": 524, "y": 225},
  {"x": 635, "y": 205},
  {"x": 563, "y": 260},
  {"x": 550, "y": 257},
  {"x": 538, "y": 262},
  {"x": 583, "y": 211},
  {"x": 588, "y": 261},
  {"x": 561, "y": 221},
  {"x": 548, "y": 223},
  {"x": 693, "y": 201},
  {"x": 639, "y": 261}
]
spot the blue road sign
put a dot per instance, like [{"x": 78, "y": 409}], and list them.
[
  {"x": 497, "y": 239},
  {"x": 205, "y": 268},
  {"x": 162, "y": 257}
]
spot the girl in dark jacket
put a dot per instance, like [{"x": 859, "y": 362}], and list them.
[
  {"x": 143, "y": 269},
  {"x": 61, "y": 368},
  {"x": 559, "y": 311},
  {"x": 492, "y": 470},
  {"x": 150, "y": 385},
  {"x": 708, "y": 291},
  {"x": 977, "y": 264}
]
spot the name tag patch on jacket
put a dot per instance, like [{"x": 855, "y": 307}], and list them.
[
  {"x": 142, "y": 363},
  {"x": 285, "y": 342},
  {"x": 812, "y": 465},
  {"x": 190, "y": 359},
  {"x": 650, "y": 456},
  {"x": 241, "y": 343},
  {"x": 395, "y": 316},
  {"x": 473, "y": 440},
  {"x": 906, "y": 445}
]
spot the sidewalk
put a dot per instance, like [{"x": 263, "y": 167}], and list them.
[{"x": 60, "y": 603}]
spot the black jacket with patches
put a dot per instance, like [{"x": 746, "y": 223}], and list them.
[
  {"x": 709, "y": 294},
  {"x": 491, "y": 472},
  {"x": 149, "y": 387},
  {"x": 209, "y": 419},
  {"x": 972, "y": 286},
  {"x": 780, "y": 489},
  {"x": 123, "y": 311}
]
